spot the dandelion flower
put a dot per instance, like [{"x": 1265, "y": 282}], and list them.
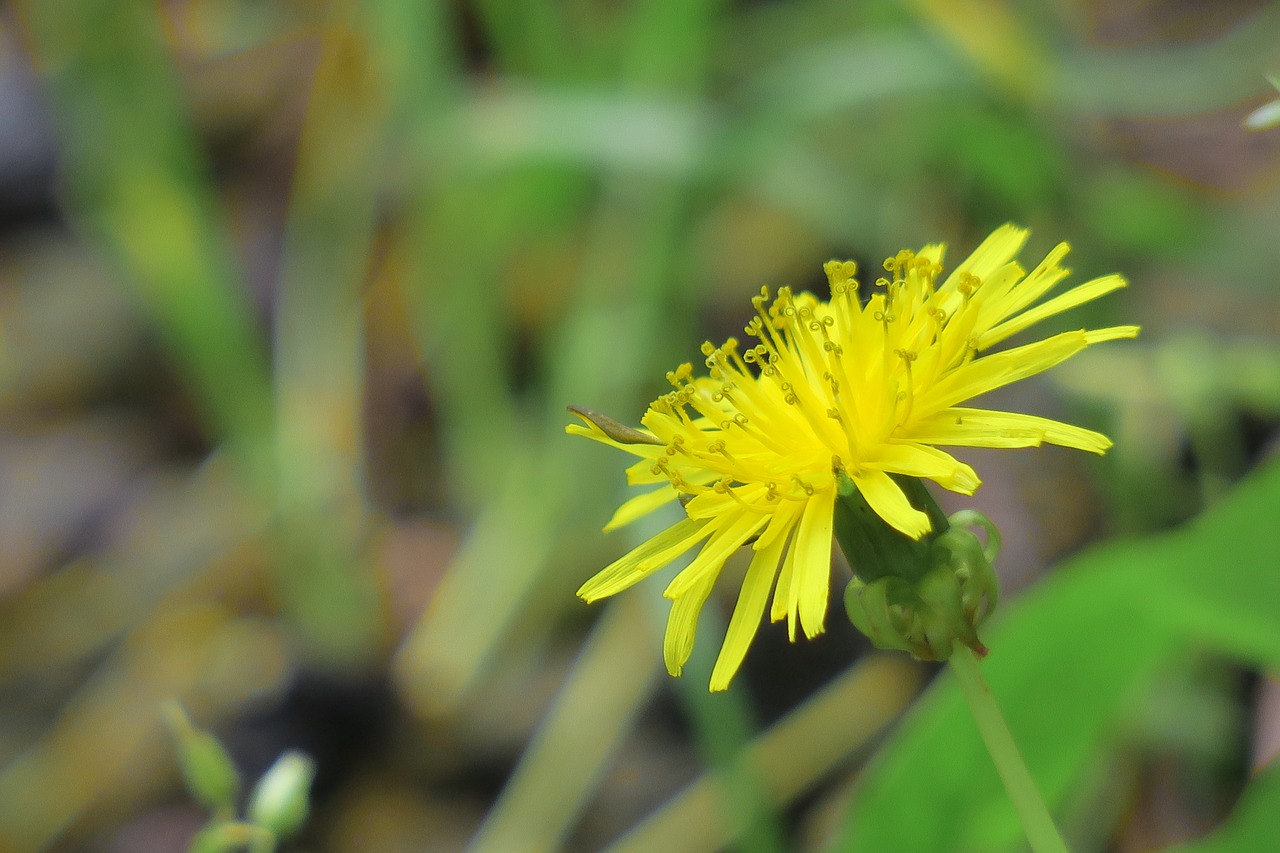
[{"x": 847, "y": 390}]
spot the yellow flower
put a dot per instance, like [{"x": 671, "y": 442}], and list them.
[{"x": 864, "y": 390}]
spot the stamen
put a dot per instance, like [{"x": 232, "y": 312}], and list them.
[
  {"x": 680, "y": 484},
  {"x": 808, "y": 489},
  {"x": 680, "y": 374},
  {"x": 719, "y": 447},
  {"x": 908, "y": 357},
  {"x": 733, "y": 494}
]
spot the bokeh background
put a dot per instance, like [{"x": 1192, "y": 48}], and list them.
[{"x": 293, "y": 296}]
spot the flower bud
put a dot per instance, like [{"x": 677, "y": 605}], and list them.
[
  {"x": 279, "y": 801},
  {"x": 210, "y": 775}
]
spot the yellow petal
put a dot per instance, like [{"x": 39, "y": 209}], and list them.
[
  {"x": 994, "y": 371},
  {"x": 1034, "y": 285},
  {"x": 784, "y": 518},
  {"x": 813, "y": 562},
  {"x": 642, "y": 473},
  {"x": 645, "y": 559},
  {"x": 888, "y": 501},
  {"x": 735, "y": 529},
  {"x": 641, "y": 505},
  {"x": 713, "y": 503},
  {"x": 1111, "y": 333},
  {"x": 964, "y": 427},
  {"x": 917, "y": 460},
  {"x": 934, "y": 252},
  {"x": 682, "y": 624},
  {"x": 747, "y": 613},
  {"x": 992, "y": 253},
  {"x": 1086, "y": 292},
  {"x": 782, "y": 591}
]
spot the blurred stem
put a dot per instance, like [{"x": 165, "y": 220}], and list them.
[
  {"x": 724, "y": 728},
  {"x": 320, "y": 348},
  {"x": 591, "y": 717},
  {"x": 790, "y": 758},
  {"x": 1035, "y": 817},
  {"x": 224, "y": 836},
  {"x": 136, "y": 183}
]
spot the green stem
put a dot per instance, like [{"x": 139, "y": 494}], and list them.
[{"x": 1033, "y": 813}]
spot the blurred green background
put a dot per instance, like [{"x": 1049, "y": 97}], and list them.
[{"x": 293, "y": 296}]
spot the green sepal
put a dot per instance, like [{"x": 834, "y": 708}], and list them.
[
  {"x": 921, "y": 596},
  {"x": 873, "y": 548}
]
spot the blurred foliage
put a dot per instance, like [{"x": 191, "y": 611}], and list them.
[
  {"x": 292, "y": 298},
  {"x": 1081, "y": 643}
]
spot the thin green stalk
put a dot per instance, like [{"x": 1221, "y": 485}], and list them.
[{"x": 1033, "y": 813}]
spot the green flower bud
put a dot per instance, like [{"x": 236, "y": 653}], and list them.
[
  {"x": 279, "y": 801},
  {"x": 921, "y": 596},
  {"x": 209, "y": 773}
]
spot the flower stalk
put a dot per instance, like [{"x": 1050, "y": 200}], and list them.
[
  {"x": 928, "y": 597},
  {"x": 1037, "y": 823}
]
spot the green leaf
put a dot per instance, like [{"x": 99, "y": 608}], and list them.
[{"x": 210, "y": 775}]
